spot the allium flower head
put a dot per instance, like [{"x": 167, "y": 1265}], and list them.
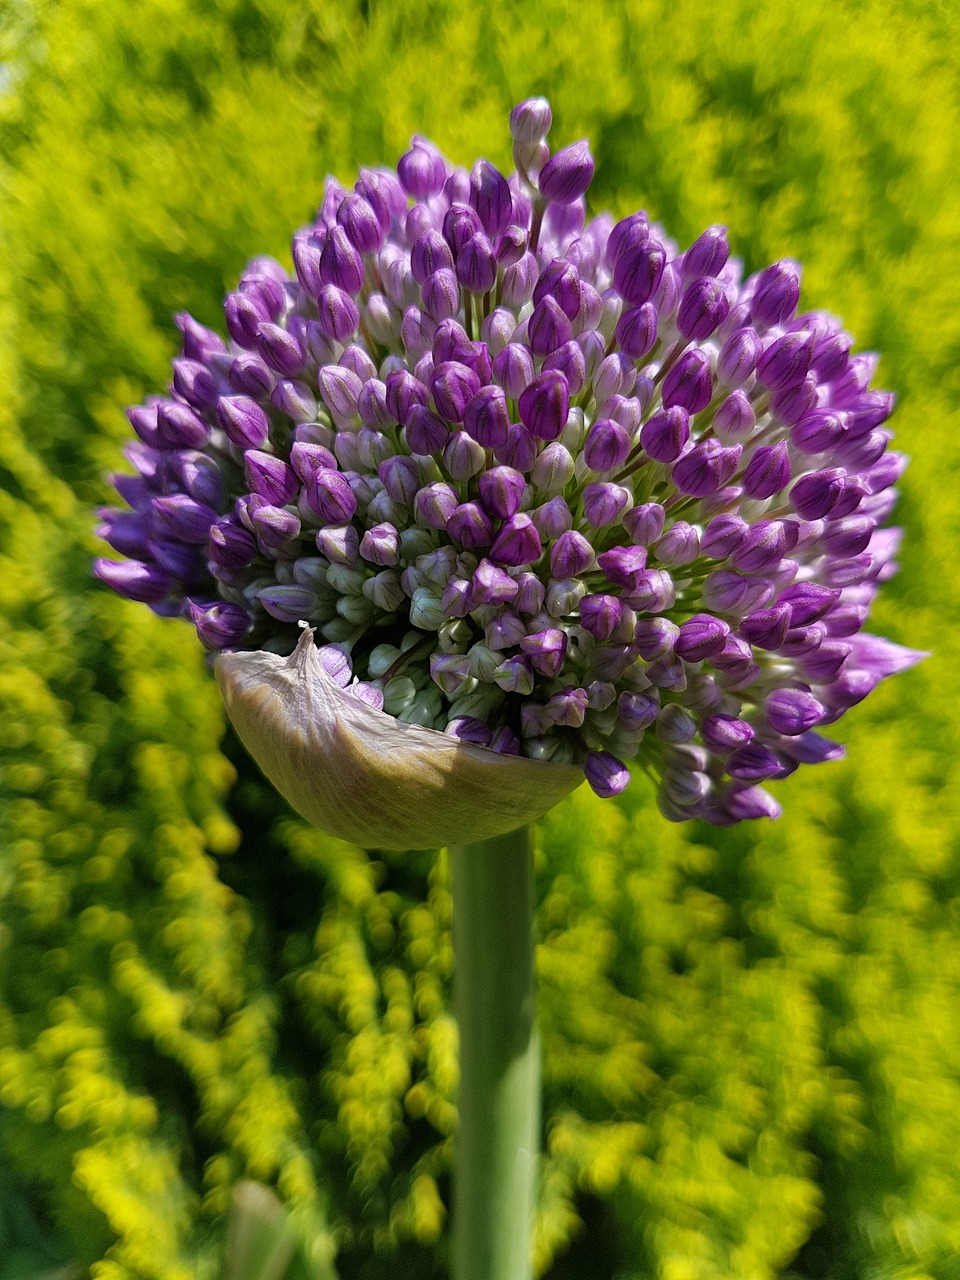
[{"x": 545, "y": 485}]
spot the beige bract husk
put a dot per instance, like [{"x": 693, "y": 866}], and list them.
[{"x": 364, "y": 776}]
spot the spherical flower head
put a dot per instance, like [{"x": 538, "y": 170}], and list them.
[{"x": 486, "y": 497}]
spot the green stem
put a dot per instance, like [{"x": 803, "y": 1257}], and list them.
[{"x": 499, "y": 1099}]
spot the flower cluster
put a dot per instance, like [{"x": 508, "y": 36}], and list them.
[{"x": 545, "y": 484}]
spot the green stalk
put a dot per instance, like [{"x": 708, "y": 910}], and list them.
[{"x": 499, "y": 1099}]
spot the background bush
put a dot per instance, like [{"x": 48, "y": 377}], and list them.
[{"x": 752, "y": 1053}]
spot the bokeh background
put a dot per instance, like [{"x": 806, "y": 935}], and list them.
[{"x": 751, "y": 1036}]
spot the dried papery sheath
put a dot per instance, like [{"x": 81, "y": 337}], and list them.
[
  {"x": 560, "y": 492},
  {"x": 365, "y": 776}
]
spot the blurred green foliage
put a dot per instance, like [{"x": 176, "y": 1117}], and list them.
[{"x": 752, "y": 1042}]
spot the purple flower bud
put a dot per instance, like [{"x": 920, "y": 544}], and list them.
[
  {"x": 328, "y": 493},
  {"x": 553, "y": 518},
  {"x": 701, "y": 637},
  {"x": 704, "y": 305},
  {"x": 360, "y": 224},
  {"x": 636, "y": 332},
  {"x": 513, "y": 369},
  {"x": 637, "y": 711},
  {"x": 511, "y": 246},
  {"x": 490, "y": 196},
  {"x": 561, "y": 282},
  {"x": 199, "y": 343},
  {"x": 434, "y": 505},
  {"x": 817, "y": 432},
  {"x": 675, "y": 725},
  {"x": 664, "y": 436},
  {"x": 243, "y": 317},
  {"x": 725, "y": 733},
  {"x": 679, "y": 545},
  {"x": 519, "y": 449},
  {"x": 653, "y": 637},
  {"x": 706, "y": 467},
  {"x": 134, "y": 579},
  {"x": 486, "y": 418},
  {"x": 604, "y": 502},
  {"x": 125, "y": 531},
  {"x": 776, "y": 293},
  {"x": 567, "y": 174},
  {"x": 517, "y": 543},
  {"x": 470, "y": 526},
  {"x": 453, "y": 386},
  {"x": 219, "y": 625},
  {"x": 274, "y": 527},
  {"x": 622, "y": 565},
  {"x": 569, "y": 360},
  {"x": 547, "y": 650},
  {"x": 600, "y": 615},
  {"x": 381, "y": 545},
  {"x": 416, "y": 334},
  {"x": 469, "y": 729},
  {"x": 722, "y": 536},
  {"x": 340, "y": 263},
  {"x": 460, "y": 224},
  {"x": 230, "y": 545},
  {"x": 306, "y": 251},
  {"x": 768, "y": 471},
  {"x": 194, "y": 383},
  {"x": 708, "y": 254},
  {"x": 384, "y": 194},
  {"x": 183, "y": 518},
  {"x": 177, "y": 426},
  {"x": 477, "y": 264},
  {"x": 403, "y": 392},
  {"x": 767, "y": 628},
  {"x": 340, "y": 389},
  {"x": 607, "y": 446},
  {"x": 728, "y": 592},
  {"x": 761, "y": 547},
  {"x": 644, "y": 523},
  {"x": 294, "y": 399},
  {"x": 850, "y": 536},
  {"x": 441, "y": 295},
  {"x": 628, "y": 234},
  {"x": 400, "y": 477},
  {"x": 530, "y": 121},
  {"x": 421, "y": 170},
  {"x": 544, "y": 405},
  {"x": 753, "y": 762},
  {"x": 280, "y": 350},
  {"x": 734, "y": 419},
  {"x": 548, "y": 328},
  {"x": 430, "y": 253},
  {"x": 689, "y": 384},
  {"x": 793, "y": 711},
  {"x": 492, "y": 585},
  {"x": 288, "y": 603},
  {"x": 519, "y": 281},
  {"x": 607, "y": 775},
  {"x": 638, "y": 270},
  {"x": 789, "y": 404},
  {"x": 830, "y": 356},
  {"x": 501, "y": 491},
  {"x": 571, "y": 554},
  {"x": 425, "y": 433},
  {"x": 818, "y": 493},
  {"x": 269, "y": 477},
  {"x": 784, "y": 363},
  {"x": 338, "y": 313},
  {"x": 250, "y": 376},
  {"x": 738, "y": 357},
  {"x": 744, "y": 803}
]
